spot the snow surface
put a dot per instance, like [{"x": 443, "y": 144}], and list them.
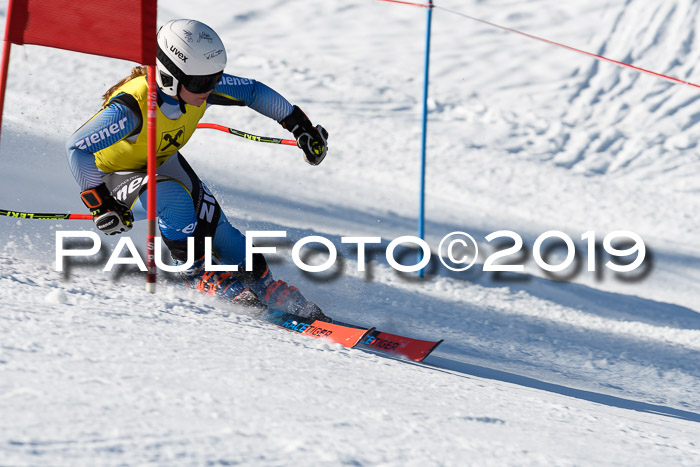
[{"x": 598, "y": 369}]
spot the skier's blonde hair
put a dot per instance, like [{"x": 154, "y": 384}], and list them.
[{"x": 135, "y": 73}]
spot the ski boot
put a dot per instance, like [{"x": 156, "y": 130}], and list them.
[
  {"x": 263, "y": 293},
  {"x": 278, "y": 295},
  {"x": 221, "y": 284}
]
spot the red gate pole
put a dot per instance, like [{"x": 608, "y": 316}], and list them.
[
  {"x": 5, "y": 65},
  {"x": 151, "y": 184}
]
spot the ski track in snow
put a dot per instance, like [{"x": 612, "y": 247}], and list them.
[{"x": 533, "y": 371}]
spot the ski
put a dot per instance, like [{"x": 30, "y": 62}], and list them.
[
  {"x": 403, "y": 346},
  {"x": 409, "y": 347},
  {"x": 351, "y": 335},
  {"x": 347, "y": 336}
]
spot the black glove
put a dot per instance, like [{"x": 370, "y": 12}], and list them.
[
  {"x": 311, "y": 139},
  {"x": 109, "y": 215}
]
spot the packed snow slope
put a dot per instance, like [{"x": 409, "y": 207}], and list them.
[{"x": 573, "y": 368}]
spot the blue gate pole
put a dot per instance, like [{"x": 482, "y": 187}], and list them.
[{"x": 421, "y": 211}]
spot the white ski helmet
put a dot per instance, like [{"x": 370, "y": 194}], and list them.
[{"x": 190, "y": 54}]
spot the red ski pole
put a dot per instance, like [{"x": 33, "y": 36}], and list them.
[
  {"x": 243, "y": 134},
  {"x": 43, "y": 215}
]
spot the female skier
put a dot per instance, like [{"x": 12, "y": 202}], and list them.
[{"x": 108, "y": 154}]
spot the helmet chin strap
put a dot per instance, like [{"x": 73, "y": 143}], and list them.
[{"x": 181, "y": 102}]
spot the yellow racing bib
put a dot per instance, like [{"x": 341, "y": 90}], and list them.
[{"x": 171, "y": 135}]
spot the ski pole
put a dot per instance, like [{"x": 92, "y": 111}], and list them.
[
  {"x": 43, "y": 215},
  {"x": 243, "y": 134}
]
